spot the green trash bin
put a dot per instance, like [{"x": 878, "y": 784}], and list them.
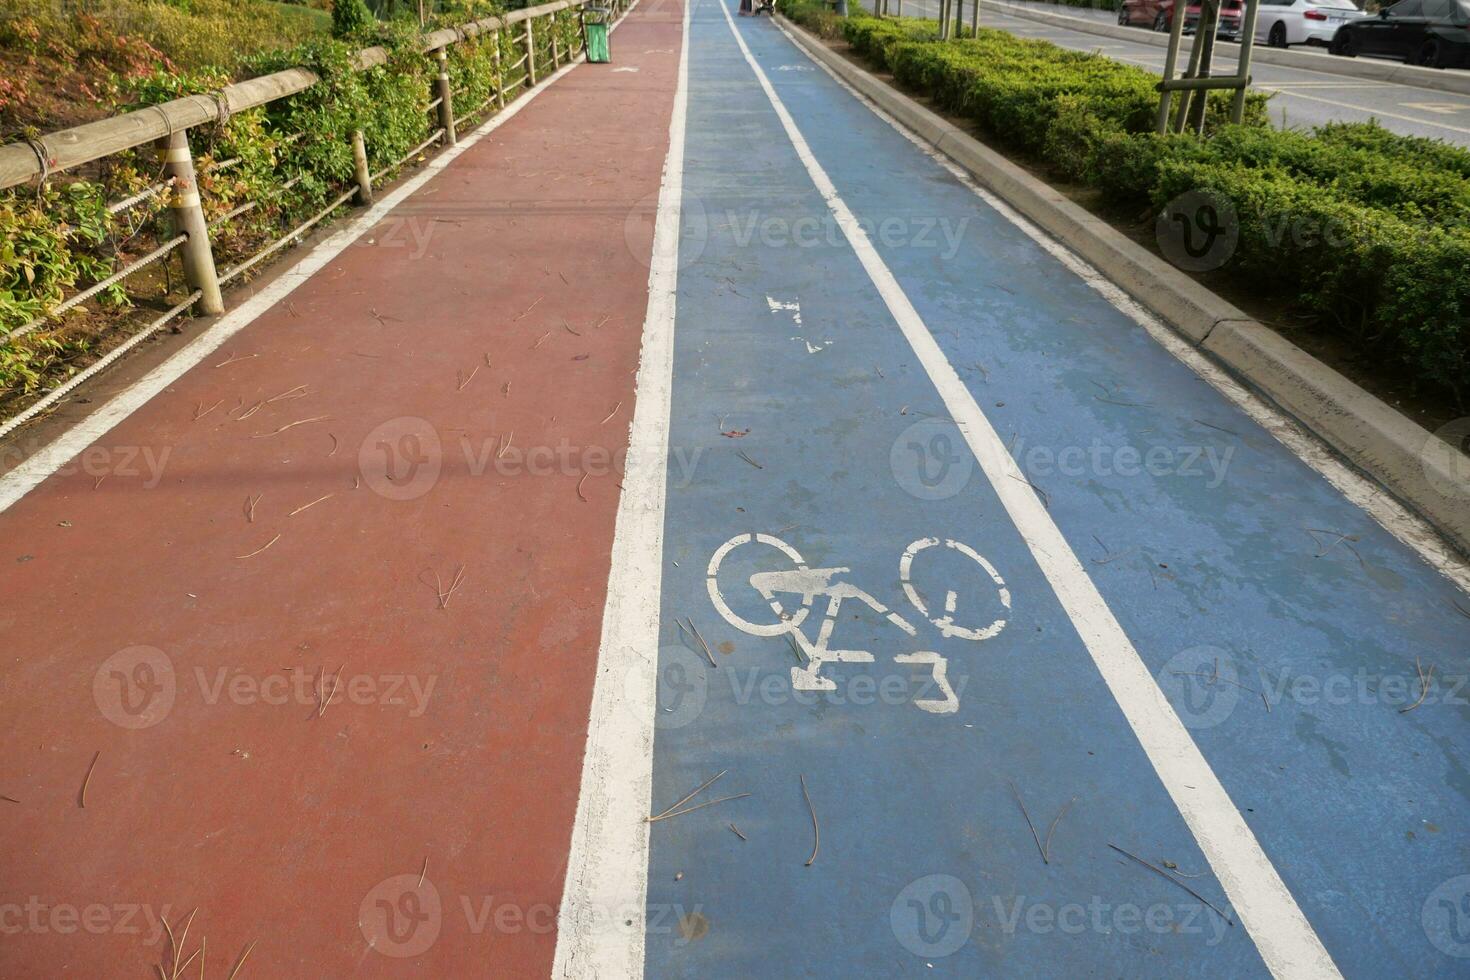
[{"x": 596, "y": 25}]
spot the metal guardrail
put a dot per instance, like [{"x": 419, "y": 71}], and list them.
[{"x": 167, "y": 126}]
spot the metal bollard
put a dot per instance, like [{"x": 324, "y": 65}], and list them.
[
  {"x": 188, "y": 219},
  {"x": 446, "y": 100},
  {"x": 360, "y": 164}
]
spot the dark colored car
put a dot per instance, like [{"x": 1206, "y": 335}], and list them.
[
  {"x": 1146, "y": 13},
  {"x": 1231, "y": 12},
  {"x": 1433, "y": 33}
]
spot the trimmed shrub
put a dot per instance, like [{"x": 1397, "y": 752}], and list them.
[{"x": 1367, "y": 229}]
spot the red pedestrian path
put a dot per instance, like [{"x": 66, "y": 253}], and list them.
[{"x": 497, "y": 311}]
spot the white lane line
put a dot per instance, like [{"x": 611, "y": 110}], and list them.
[
  {"x": 602, "y": 918},
  {"x": 1411, "y": 530},
  {"x": 1377, "y": 113},
  {"x": 1284, "y": 937},
  {"x": 28, "y": 475}
]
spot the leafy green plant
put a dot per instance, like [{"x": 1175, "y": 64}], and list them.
[{"x": 351, "y": 18}]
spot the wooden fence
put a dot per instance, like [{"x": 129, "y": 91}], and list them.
[{"x": 167, "y": 126}]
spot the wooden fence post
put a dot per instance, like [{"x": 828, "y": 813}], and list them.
[
  {"x": 499, "y": 74},
  {"x": 188, "y": 219},
  {"x": 360, "y": 164},
  {"x": 530, "y": 55},
  {"x": 446, "y": 99}
]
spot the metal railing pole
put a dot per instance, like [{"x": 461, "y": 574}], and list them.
[
  {"x": 188, "y": 219},
  {"x": 446, "y": 98},
  {"x": 360, "y": 165}
]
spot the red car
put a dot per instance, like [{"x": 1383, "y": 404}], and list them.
[
  {"x": 1159, "y": 14},
  {"x": 1231, "y": 13},
  {"x": 1156, "y": 14}
]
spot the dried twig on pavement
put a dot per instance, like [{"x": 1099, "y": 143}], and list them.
[
  {"x": 297, "y": 392},
  {"x": 1032, "y": 827},
  {"x": 312, "y": 504},
  {"x": 88, "y": 778},
  {"x": 529, "y": 309},
  {"x": 261, "y": 548},
  {"x": 691, "y": 809},
  {"x": 690, "y": 795},
  {"x": 1424, "y": 679},
  {"x": 1046, "y": 847},
  {"x": 816, "y": 830},
  {"x": 1164, "y": 874},
  {"x": 244, "y": 956},
  {"x": 322, "y": 708},
  {"x": 291, "y": 425},
  {"x": 708, "y": 656}
]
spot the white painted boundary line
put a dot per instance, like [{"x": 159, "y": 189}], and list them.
[
  {"x": 1410, "y": 529},
  {"x": 607, "y": 864},
  {"x": 28, "y": 475},
  {"x": 1286, "y": 940}
]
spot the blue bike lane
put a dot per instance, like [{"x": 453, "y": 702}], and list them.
[{"x": 814, "y": 449}]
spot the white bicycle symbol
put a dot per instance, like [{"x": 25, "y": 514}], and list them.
[{"x": 808, "y": 583}]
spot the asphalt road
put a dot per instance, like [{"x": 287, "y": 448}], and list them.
[{"x": 1303, "y": 97}]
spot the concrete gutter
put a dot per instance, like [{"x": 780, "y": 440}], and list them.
[
  {"x": 1375, "y": 69},
  {"x": 1398, "y": 453}
]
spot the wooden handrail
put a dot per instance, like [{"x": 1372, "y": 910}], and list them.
[{"x": 68, "y": 148}]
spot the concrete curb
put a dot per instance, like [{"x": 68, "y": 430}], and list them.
[
  {"x": 1370, "y": 68},
  {"x": 1378, "y": 440}
]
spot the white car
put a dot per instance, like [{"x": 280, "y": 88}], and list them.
[{"x": 1285, "y": 22}]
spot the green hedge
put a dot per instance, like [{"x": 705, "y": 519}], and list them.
[{"x": 1366, "y": 230}]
